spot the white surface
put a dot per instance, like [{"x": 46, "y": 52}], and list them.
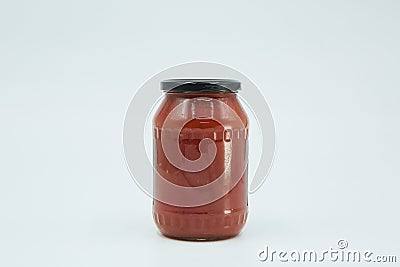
[{"x": 330, "y": 71}]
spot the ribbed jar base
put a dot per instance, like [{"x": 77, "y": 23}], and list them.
[{"x": 201, "y": 226}]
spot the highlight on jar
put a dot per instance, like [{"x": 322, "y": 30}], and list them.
[{"x": 200, "y": 156}]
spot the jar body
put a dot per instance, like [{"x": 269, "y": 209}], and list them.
[{"x": 194, "y": 117}]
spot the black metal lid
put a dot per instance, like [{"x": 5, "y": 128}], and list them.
[{"x": 200, "y": 85}]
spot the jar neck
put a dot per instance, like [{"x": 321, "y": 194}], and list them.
[{"x": 201, "y": 94}]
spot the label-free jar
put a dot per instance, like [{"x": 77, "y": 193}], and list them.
[{"x": 200, "y": 160}]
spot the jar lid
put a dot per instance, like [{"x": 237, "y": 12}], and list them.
[{"x": 200, "y": 85}]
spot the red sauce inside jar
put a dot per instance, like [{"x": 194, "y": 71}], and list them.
[{"x": 209, "y": 100}]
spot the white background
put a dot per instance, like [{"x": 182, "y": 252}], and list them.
[{"x": 68, "y": 69}]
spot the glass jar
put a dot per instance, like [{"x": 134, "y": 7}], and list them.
[{"x": 200, "y": 160}]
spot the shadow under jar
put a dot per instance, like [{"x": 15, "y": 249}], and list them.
[{"x": 200, "y": 160}]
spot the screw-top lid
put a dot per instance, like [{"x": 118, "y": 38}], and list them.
[{"x": 200, "y": 85}]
